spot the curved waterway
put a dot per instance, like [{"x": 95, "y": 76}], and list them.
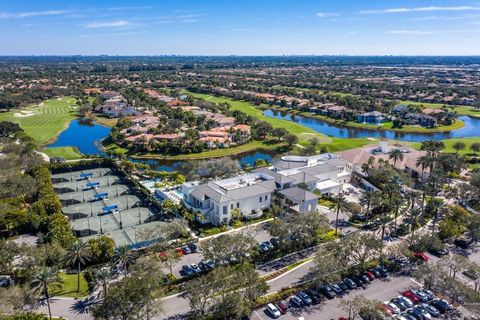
[{"x": 471, "y": 128}]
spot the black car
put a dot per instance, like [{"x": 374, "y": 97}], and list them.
[
  {"x": 439, "y": 252},
  {"x": 462, "y": 243},
  {"x": 399, "y": 303},
  {"x": 343, "y": 286},
  {"x": 376, "y": 273},
  {"x": 314, "y": 295},
  {"x": 275, "y": 241},
  {"x": 441, "y": 305},
  {"x": 416, "y": 313},
  {"x": 327, "y": 291},
  {"x": 337, "y": 289},
  {"x": 383, "y": 271},
  {"x": 350, "y": 283},
  {"x": 365, "y": 278},
  {"x": 193, "y": 247},
  {"x": 358, "y": 280}
]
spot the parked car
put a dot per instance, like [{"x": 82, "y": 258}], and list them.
[
  {"x": 429, "y": 293},
  {"x": 439, "y": 252},
  {"x": 424, "y": 312},
  {"x": 343, "y": 286},
  {"x": 327, "y": 291},
  {"x": 365, "y": 278},
  {"x": 416, "y": 313},
  {"x": 179, "y": 251},
  {"x": 393, "y": 306},
  {"x": 408, "y": 316},
  {"x": 421, "y": 295},
  {"x": 273, "y": 311},
  {"x": 282, "y": 307},
  {"x": 264, "y": 247},
  {"x": 410, "y": 295},
  {"x": 275, "y": 241},
  {"x": 305, "y": 298},
  {"x": 399, "y": 303},
  {"x": 370, "y": 275},
  {"x": 462, "y": 243},
  {"x": 385, "y": 309},
  {"x": 336, "y": 288},
  {"x": 193, "y": 247},
  {"x": 407, "y": 301},
  {"x": 195, "y": 268},
  {"x": 296, "y": 301},
  {"x": 382, "y": 271},
  {"x": 186, "y": 249},
  {"x": 269, "y": 245},
  {"x": 186, "y": 270},
  {"x": 349, "y": 283},
  {"x": 421, "y": 256},
  {"x": 431, "y": 309},
  {"x": 441, "y": 305},
  {"x": 376, "y": 272},
  {"x": 314, "y": 295}
]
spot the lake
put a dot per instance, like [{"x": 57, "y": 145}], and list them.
[
  {"x": 471, "y": 128},
  {"x": 86, "y": 136}
]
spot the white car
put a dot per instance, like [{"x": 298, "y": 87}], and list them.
[
  {"x": 273, "y": 311},
  {"x": 393, "y": 306}
]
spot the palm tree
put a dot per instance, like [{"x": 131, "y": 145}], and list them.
[
  {"x": 79, "y": 253},
  {"x": 414, "y": 213},
  {"x": 124, "y": 257},
  {"x": 275, "y": 211},
  {"x": 339, "y": 204},
  {"x": 395, "y": 155},
  {"x": 101, "y": 278},
  {"x": 368, "y": 199},
  {"x": 397, "y": 202},
  {"x": 42, "y": 280},
  {"x": 436, "y": 204}
]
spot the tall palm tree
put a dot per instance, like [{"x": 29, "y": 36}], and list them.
[
  {"x": 339, "y": 204},
  {"x": 124, "y": 257},
  {"x": 79, "y": 253},
  {"x": 101, "y": 278},
  {"x": 397, "y": 203},
  {"x": 42, "y": 280},
  {"x": 436, "y": 204},
  {"x": 395, "y": 155},
  {"x": 425, "y": 161},
  {"x": 368, "y": 199},
  {"x": 413, "y": 214}
]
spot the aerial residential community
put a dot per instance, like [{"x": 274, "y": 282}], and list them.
[{"x": 239, "y": 160}]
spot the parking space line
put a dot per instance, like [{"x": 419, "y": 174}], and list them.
[{"x": 258, "y": 315}]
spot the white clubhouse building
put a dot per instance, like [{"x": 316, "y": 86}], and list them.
[{"x": 293, "y": 178}]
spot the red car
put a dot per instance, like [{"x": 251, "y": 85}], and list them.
[
  {"x": 282, "y": 307},
  {"x": 370, "y": 275},
  {"x": 421, "y": 255},
  {"x": 385, "y": 309},
  {"x": 179, "y": 251},
  {"x": 412, "y": 296}
]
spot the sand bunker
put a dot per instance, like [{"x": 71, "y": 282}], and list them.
[{"x": 23, "y": 114}]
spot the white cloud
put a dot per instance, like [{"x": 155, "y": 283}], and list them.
[
  {"x": 327, "y": 14},
  {"x": 411, "y": 32},
  {"x": 109, "y": 24},
  {"x": 421, "y": 9},
  {"x": 33, "y": 14}
]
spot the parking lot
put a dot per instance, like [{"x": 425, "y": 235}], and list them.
[
  {"x": 380, "y": 289},
  {"x": 99, "y": 201}
]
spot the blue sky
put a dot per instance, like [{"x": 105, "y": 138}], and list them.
[{"x": 242, "y": 27}]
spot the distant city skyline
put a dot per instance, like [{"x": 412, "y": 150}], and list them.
[{"x": 262, "y": 27}]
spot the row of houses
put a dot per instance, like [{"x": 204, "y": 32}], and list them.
[{"x": 292, "y": 179}]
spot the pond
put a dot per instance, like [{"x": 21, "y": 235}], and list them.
[
  {"x": 86, "y": 136},
  {"x": 244, "y": 158},
  {"x": 471, "y": 128}
]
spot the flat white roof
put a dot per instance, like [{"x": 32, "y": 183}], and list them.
[{"x": 327, "y": 184}]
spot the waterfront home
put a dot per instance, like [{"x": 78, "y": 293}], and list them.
[
  {"x": 400, "y": 109},
  {"x": 372, "y": 117},
  {"x": 420, "y": 119},
  {"x": 249, "y": 194}
]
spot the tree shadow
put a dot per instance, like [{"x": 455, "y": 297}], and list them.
[{"x": 84, "y": 306}]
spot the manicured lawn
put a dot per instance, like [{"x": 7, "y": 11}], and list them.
[
  {"x": 69, "y": 153},
  {"x": 108, "y": 122},
  {"x": 449, "y": 145},
  {"x": 303, "y": 133},
  {"x": 45, "y": 121},
  {"x": 69, "y": 286}
]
